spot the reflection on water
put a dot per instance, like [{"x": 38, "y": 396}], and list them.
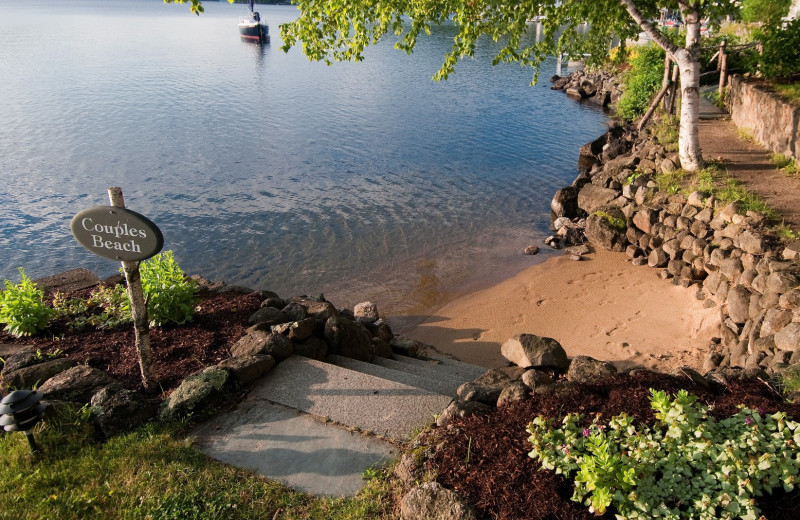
[{"x": 261, "y": 168}]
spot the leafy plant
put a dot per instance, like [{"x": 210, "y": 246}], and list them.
[
  {"x": 115, "y": 304},
  {"x": 779, "y": 57},
  {"x": 786, "y": 164},
  {"x": 169, "y": 293},
  {"x": 615, "y": 222},
  {"x": 641, "y": 81},
  {"x": 687, "y": 465},
  {"x": 22, "y": 307}
]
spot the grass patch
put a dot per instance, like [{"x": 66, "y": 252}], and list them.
[
  {"x": 786, "y": 164},
  {"x": 791, "y": 91},
  {"x": 154, "y": 473},
  {"x": 614, "y": 222},
  {"x": 746, "y": 134},
  {"x": 667, "y": 130},
  {"x": 790, "y": 380},
  {"x": 785, "y": 234}
]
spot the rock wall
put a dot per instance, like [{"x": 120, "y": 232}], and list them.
[
  {"x": 692, "y": 239},
  {"x": 773, "y": 122}
]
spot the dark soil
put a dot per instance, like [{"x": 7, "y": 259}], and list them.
[
  {"x": 485, "y": 458},
  {"x": 179, "y": 350}
]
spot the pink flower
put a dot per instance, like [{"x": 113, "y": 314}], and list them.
[{"x": 586, "y": 432}]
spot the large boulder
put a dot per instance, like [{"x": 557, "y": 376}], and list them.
[
  {"x": 21, "y": 357},
  {"x": 34, "y": 375},
  {"x": 584, "y": 369},
  {"x": 117, "y": 410},
  {"x": 313, "y": 348},
  {"x": 739, "y": 304},
  {"x": 788, "y": 338},
  {"x": 591, "y": 197},
  {"x": 459, "y": 409},
  {"x": 607, "y": 228},
  {"x": 530, "y": 350},
  {"x": 259, "y": 342},
  {"x": 77, "y": 384},
  {"x": 194, "y": 393},
  {"x": 348, "y": 339},
  {"x": 246, "y": 369},
  {"x": 565, "y": 202},
  {"x": 268, "y": 316},
  {"x": 366, "y": 312},
  {"x": 485, "y": 389},
  {"x": 431, "y": 501}
]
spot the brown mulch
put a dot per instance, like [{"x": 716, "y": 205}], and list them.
[
  {"x": 178, "y": 350},
  {"x": 485, "y": 458}
]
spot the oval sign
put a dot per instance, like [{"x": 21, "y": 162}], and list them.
[{"x": 117, "y": 233}]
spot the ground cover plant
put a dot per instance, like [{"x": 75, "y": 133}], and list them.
[{"x": 502, "y": 481}]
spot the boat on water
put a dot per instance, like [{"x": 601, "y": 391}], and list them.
[{"x": 252, "y": 28}]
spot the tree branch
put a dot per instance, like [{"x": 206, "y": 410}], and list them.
[{"x": 649, "y": 28}]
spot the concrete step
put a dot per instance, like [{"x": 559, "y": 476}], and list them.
[
  {"x": 448, "y": 382},
  {"x": 466, "y": 370},
  {"x": 293, "y": 447},
  {"x": 432, "y": 385},
  {"x": 351, "y": 398}
]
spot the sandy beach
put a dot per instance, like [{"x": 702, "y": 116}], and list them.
[{"x": 602, "y": 307}]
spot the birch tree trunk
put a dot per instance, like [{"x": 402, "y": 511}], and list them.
[
  {"x": 688, "y": 59},
  {"x": 794, "y": 10}
]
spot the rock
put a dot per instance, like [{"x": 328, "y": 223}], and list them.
[
  {"x": 405, "y": 346},
  {"x": 348, "y": 339},
  {"x": 692, "y": 374},
  {"x": 584, "y": 369},
  {"x": 790, "y": 300},
  {"x": 565, "y": 202},
  {"x": 34, "y": 375},
  {"x": 726, "y": 214},
  {"x": 781, "y": 282},
  {"x": 645, "y": 218},
  {"x": 246, "y": 369},
  {"x": 712, "y": 361},
  {"x": 117, "y": 410},
  {"x": 535, "y": 378},
  {"x": 610, "y": 234},
  {"x": 268, "y": 316},
  {"x": 313, "y": 348},
  {"x": 431, "y": 501},
  {"x": 194, "y": 393},
  {"x": 485, "y": 389},
  {"x": 408, "y": 469},
  {"x": 739, "y": 304},
  {"x": 381, "y": 348},
  {"x": 775, "y": 320},
  {"x": 580, "y": 250},
  {"x": 366, "y": 312},
  {"x": 657, "y": 258},
  {"x": 381, "y": 330},
  {"x": 529, "y": 350},
  {"x": 591, "y": 197},
  {"x": 531, "y": 250},
  {"x": 750, "y": 242},
  {"x": 262, "y": 342},
  {"x": 696, "y": 199},
  {"x": 296, "y": 330},
  {"x": 77, "y": 384},
  {"x": 459, "y": 409},
  {"x": 788, "y": 338},
  {"x": 792, "y": 251},
  {"x": 516, "y": 391}
]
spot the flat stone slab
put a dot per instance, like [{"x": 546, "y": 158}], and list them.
[
  {"x": 292, "y": 447},
  {"x": 67, "y": 281},
  {"x": 431, "y": 384},
  {"x": 384, "y": 407}
]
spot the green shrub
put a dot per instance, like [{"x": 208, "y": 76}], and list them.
[
  {"x": 641, "y": 81},
  {"x": 688, "y": 465},
  {"x": 22, "y": 307},
  {"x": 169, "y": 293},
  {"x": 779, "y": 58},
  {"x": 767, "y": 11}
]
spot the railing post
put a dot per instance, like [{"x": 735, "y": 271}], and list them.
[{"x": 723, "y": 66}]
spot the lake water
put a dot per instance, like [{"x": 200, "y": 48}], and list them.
[{"x": 362, "y": 181}]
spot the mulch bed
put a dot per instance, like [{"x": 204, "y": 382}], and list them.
[
  {"x": 179, "y": 350},
  {"x": 503, "y": 482}
]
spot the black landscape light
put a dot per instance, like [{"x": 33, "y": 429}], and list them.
[{"x": 21, "y": 411}]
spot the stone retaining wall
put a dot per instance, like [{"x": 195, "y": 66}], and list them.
[{"x": 773, "y": 122}]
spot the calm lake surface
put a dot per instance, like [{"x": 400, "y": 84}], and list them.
[{"x": 362, "y": 181}]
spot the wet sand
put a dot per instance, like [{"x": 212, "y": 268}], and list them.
[{"x": 602, "y": 307}]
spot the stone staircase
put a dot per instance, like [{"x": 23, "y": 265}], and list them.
[{"x": 317, "y": 426}]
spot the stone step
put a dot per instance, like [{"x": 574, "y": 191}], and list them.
[
  {"x": 351, "y": 398},
  {"x": 406, "y": 378},
  {"x": 447, "y": 380}
]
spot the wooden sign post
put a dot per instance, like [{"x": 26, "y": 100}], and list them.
[{"x": 120, "y": 234}]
